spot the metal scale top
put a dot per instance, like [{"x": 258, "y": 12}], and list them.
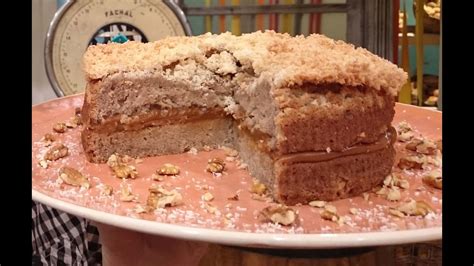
[{"x": 80, "y": 23}]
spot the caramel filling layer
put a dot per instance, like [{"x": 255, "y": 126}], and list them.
[
  {"x": 156, "y": 118},
  {"x": 176, "y": 116},
  {"x": 310, "y": 157}
]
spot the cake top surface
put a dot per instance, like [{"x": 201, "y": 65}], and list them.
[{"x": 287, "y": 60}]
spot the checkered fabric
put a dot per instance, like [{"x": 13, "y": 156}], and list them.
[{"x": 62, "y": 239}]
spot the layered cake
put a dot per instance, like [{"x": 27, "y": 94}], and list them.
[{"x": 309, "y": 115}]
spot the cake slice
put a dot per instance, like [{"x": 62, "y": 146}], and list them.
[{"x": 309, "y": 115}]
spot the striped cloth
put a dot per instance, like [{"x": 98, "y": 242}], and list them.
[{"x": 62, "y": 239}]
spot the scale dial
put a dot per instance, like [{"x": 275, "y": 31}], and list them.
[{"x": 81, "y": 23}]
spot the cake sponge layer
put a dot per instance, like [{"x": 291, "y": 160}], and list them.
[
  {"x": 335, "y": 175},
  {"x": 331, "y": 117},
  {"x": 158, "y": 140},
  {"x": 338, "y": 178},
  {"x": 288, "y": 182}
]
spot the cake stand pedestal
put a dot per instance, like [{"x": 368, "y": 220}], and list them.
[{"x": 122, "y": 247}]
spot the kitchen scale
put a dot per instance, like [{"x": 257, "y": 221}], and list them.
[{"x": 80, "y": 23}]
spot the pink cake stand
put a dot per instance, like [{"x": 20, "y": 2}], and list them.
[{"x": 180, "y": 235}]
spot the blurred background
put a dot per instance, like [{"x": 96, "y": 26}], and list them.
[
  {"x": 387, "y": 28},
  {"x": 42, "y": 14}
]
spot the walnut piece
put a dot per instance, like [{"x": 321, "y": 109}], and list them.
[
  {"x": 393, "y": 180},
  {"x": 74, "y": 121},
  {"x": 330, "y": 213},
  {"x": 330, "y": 216},
  {"x": 402, "y": 183},
  {"x": 230, "y": 152},
  {"x": 434, "y": 179},
  {"x": 393, "y": 194},
  {"x": 113, "y": 160},
  {"x": 77, "y": 119},
  {"x": 317, "y": 203},
  {"x": 427, "y": 147},
  {"x": 43, "y": 164},
  {"x": 391, "y": 187},
  {"x": 122, "y": 170},
  {"x": 210, "y": 208},
  {"x": 439, "y": 145},
  {"x": 353, "y": 211},
  {"x": 71, "y": 123},
  {"x": 77, "y": 111},
  {"x": 330, "y": 208},
  {"x": 59, "y": 128},
  {"x": 382, "y": 191},
  {"x": 411, "y": 162},
  {"x": 404, "y": 127},
  {"x": 215, "y": 165},
  {"x": 396, "y": 212},
  {"x": 162, "y": 198},
  {"x": 412, "y": 208},
  {"x": 258, "y": 188},
  {"x": 168, "y": 169},
  {"x": 413, "y": 144},
  {"x": 366, "y": 196},
  {"x": 388, "y": 180},
  {"x": 125, "y": 171},
  {"x": 279, "y": 214},
  {"x": 126, "y": 194},
  {"x": 56, "y": 152},
  {"x": 405, "y": 136},
  {"x": 422, "y": 146},
  {"x": 107, "y": 190},
  {"x": 193, "y": 151},
  {"x": 404, "y": 132},
  {"x": 140, "y": 209},
  {"x": 73, "y": 177},
  {"x": 48, "y": 137},
  {"x": 207, "y": 196}
]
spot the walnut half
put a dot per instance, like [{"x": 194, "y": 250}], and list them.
[
  {"x": 279, "y": 214},
  {"x": 411, "y": 162},
  {"x": 168, "y": 169},
  {"x": 161, "y": 198},
  {"x": 59, "y": 128},
  {"x": 434, "y": 179},
  {"x": 56, "y": 152},
  {"x": 411, "y": 208},
  {"x": 73, "y": 177},
  {"x": 215, "y": 165},
  {"x": 120, "y": 168}
]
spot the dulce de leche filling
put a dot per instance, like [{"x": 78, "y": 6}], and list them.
[
  {"x": 318, "y": 156},
  {"x": 156, "y": 118},
  {"x": 168, "y": 117}
]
